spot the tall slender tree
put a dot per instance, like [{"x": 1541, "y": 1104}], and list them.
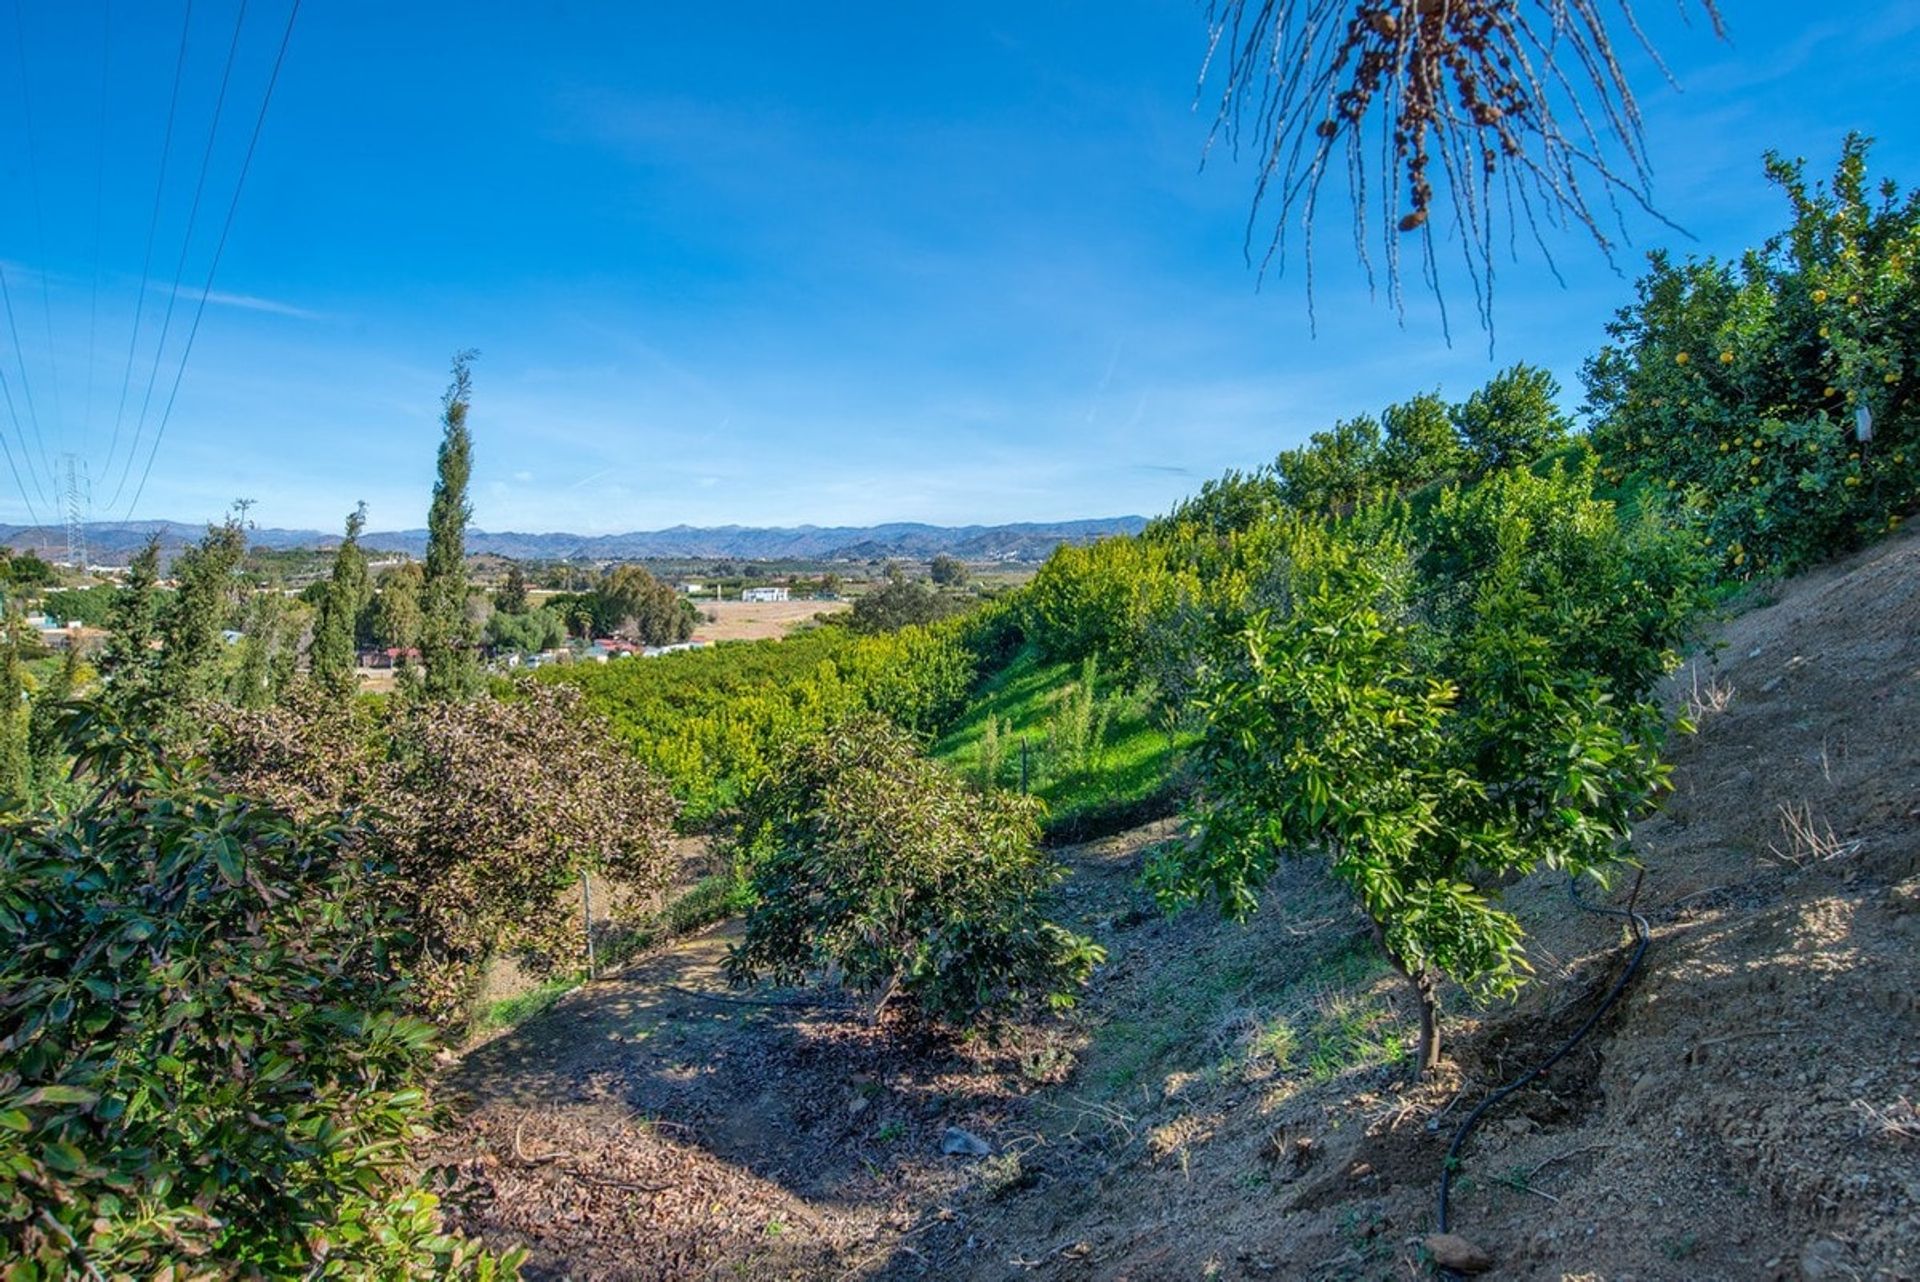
[
  {"x": 128, "y": 662},
  {"x": 446, "y": 634},
  {"x": 330, "y": 660},
  {"x": 201, "y": 609}
]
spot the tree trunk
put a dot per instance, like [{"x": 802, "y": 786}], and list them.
[{"x": 1425, "y": 991}]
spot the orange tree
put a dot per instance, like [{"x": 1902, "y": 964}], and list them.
[
  {"x": 1427, "y": 723},
  {"x": 1777, "y": 394}
]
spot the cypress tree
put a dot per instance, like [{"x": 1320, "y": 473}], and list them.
[
  {"x": 446, "y": 636},
  {"x": 190, "y": 628},
  {"x": 330, "y": 659},
  {"x": 129, "y": 662}
]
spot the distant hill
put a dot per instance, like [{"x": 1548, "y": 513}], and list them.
[{"x": 113, "y": 542}]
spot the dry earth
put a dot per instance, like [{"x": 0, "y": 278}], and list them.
[
  {"x": 1231, "y": 1100},
  {"x": 757, "y": 620}
]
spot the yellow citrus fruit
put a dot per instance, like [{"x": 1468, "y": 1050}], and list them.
[
  {"x": 1681, "y": 359},
  {"x": 1819, "y": 295},
  {"x": 1726, "y": 358}
]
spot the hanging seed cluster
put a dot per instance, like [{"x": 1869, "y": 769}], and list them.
[{"x": 1443, "y": 64}]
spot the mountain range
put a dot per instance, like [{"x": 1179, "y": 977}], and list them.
[{"x": 113, "y": 542}]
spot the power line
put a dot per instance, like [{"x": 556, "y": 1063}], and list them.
[
  {"x": 186, "y": 245},
  {"x": 99, "y": 210},
  {"x": 39, "y": 224},
  {"x": 12, "y": 467},
  {"x": 233, "y": 207},
  {"x": 26, "y": 389},
  {"x": 153, "y": 225}
]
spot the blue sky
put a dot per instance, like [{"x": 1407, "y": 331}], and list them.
[{"x": 776, "y": 264}]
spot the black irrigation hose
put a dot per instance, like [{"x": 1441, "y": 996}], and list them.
[{"x": 1643, "y": 935}]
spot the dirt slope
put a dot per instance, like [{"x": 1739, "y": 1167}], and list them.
[
  {"x": 1736, "y": 1117},
  {"x": 1231, "y": 1101}
]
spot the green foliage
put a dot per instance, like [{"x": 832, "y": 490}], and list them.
[
  {"x": 189, "y": 666},
  {"x": 446, "y": 633},
  {"x": 880, "y": 865},
  {"x": 512, "y": 595},
  {"x": 330, "y": 659},
  {"x": 1229, "y": 504},
  {"x": 203, "y": 1060},
  {"x": 902, "y": 603},
  {"x": 92, "y": 606},
  {"x": 1419, "y": 442},
  {"x": 16, "y": 749},
  {"x": 528, "y": 632},
  {"x": 1122, "y": 775},
  {"x": 711, "y": 721},
  {"x": 630, "y": 602},
  {"x": 948, "y": 571},
  {"x": 1100, "y": 599},
  {"x": 26, "y": 570},
  {"x": 127, "y": 661},
  {"x": 397, "y": 615},
  {"x": 1421, "y": 718},
  {"x": 1513, "y": 420},
  {"x": 1737, "y": 386},
  {"x": 1334, "y": 471}
]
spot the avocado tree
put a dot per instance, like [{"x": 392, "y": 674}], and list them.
[
  {"x": 875, "y": 862},
  {"x": 1429, "y": 757}
]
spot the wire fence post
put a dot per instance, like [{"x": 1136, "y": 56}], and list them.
[{"x": 586, "y": 920}]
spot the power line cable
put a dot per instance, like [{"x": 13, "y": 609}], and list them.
[
  {"x": 233, "y": 207},
  {"x": 186, "y": 246},
  {"x": 99, "y": 211},
  {"x": 26, "y": 388},
  {"x": 39, "y": 228},
  {"x": 153, "y": 226},
  {"x": 12, "y": 467}
]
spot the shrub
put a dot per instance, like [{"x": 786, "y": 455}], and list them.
[
  {"x": 878, "y": 863},
  {"x": 488, "y": 810},
  {"x": 204, "y": 1064}
]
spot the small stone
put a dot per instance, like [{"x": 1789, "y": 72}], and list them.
[
  {"x": 1825, "y": 1261},
  {"x": 962, "y": 1143},
  {"x": 856, "y": 1106},
  {"x": 1451, "y": 1251}
]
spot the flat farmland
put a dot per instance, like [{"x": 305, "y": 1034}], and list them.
[{"x": 757, "y": 620}]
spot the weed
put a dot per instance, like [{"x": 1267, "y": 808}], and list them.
[
  {"x": 890, "y": 1130},
  {"x": 1003, "y": 1174},
  {"x": 1807, "y": 840}
]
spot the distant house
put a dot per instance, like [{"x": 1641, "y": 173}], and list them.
[
  {"x": 764, "y": 594},
  {"x": 692, "y": 589}
]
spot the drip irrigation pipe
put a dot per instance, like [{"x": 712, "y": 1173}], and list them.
[{"x": 1643, "y": 935}]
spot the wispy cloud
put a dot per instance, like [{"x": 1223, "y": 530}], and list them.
[{"x": 252, "y": 303}]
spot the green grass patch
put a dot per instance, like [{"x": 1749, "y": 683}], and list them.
[
  {"x": 521, "y": 1007},
  {"x": 1096, "y": 767}
]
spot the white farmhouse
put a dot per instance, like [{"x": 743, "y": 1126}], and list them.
[{"x": 764, "y": 594}]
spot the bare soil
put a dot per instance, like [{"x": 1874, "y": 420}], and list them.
[
  {"x": 757, "y": 620},
  {"x": 1232, "y": 1102}
]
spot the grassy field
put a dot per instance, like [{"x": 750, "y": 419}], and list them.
[{"x": 1099, "y": 765}]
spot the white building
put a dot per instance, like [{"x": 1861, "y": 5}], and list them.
[{"x": 764, "y": 594}]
